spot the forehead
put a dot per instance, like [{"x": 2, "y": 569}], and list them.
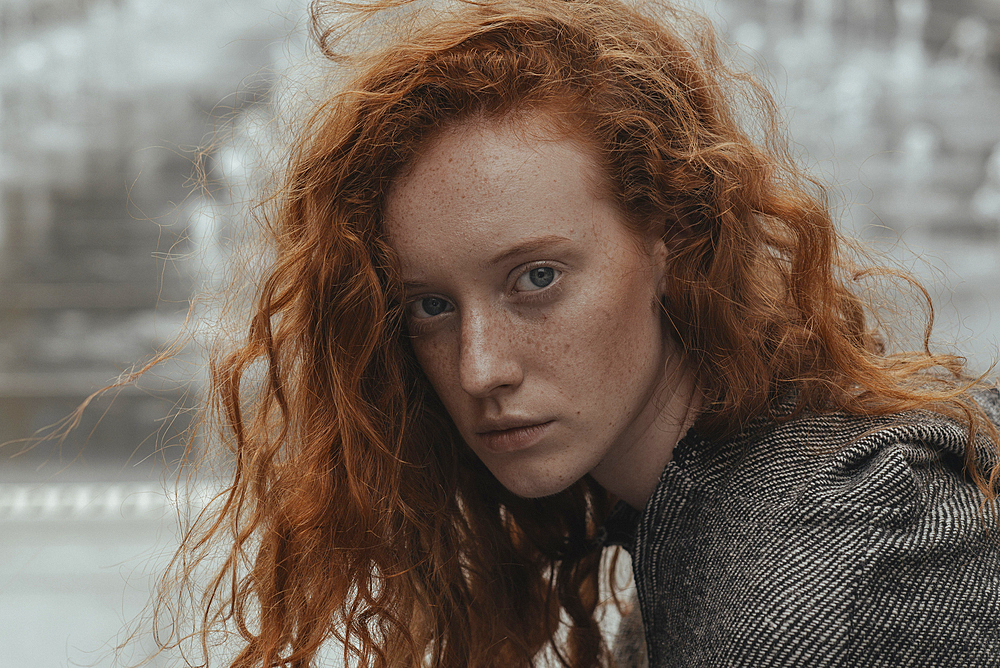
[
  {"x": 483, "y": 170},
  {"x": 487, "y": 146}
]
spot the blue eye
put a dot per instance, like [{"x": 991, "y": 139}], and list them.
[
  {"x": 536, "y": 279},
  {"x": 428, "y": 307}
]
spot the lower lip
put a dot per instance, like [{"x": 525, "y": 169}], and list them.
[{"x": 511, "y": 440}]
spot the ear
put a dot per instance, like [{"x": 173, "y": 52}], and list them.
[
  {"x": 659, "y": 253},
  {"x": 676, "y": 233}
]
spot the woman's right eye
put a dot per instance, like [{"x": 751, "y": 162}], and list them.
[{"x": 428, "y": 307}]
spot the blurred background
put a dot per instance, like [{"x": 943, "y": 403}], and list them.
[{"x": 105, "y": 106}]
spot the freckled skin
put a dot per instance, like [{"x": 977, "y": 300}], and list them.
[{"x": 586, "y": 352}]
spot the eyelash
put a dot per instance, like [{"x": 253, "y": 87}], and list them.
[{"x": 546, "y": 292}]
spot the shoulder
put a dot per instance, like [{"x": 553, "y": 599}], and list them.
[
  {"x": 854, "y": 537},
  {"x": 835, "y": 474},
  {"x": 866, "y": 468}
]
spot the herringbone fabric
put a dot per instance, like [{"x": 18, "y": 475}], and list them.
[{"x": 831, "y": 540}]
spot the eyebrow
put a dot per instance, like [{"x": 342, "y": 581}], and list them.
[
  {"x": 527, "y": 246},
  {"x": 414, "y": 285},
  {"x": 530, "y": 245}
]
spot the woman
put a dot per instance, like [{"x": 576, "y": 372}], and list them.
[{"x": 528, "y": 264}]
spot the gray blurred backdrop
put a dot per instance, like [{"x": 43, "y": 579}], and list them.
[{"x": 896, "y": 103}]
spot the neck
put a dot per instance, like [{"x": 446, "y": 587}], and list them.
[{"x": 632, "y": 471}]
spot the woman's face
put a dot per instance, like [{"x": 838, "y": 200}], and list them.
[{"x": 533, "y": 310}]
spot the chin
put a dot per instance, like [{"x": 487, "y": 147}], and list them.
[{"x": 527, "y": 487}]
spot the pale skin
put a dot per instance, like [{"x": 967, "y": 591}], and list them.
[{"x": 534, "y": 311}]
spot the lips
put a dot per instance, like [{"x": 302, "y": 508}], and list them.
[{"x": 510, "y": 436}]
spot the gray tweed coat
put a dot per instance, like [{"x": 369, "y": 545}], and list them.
[{"x": 830, "y": 540}]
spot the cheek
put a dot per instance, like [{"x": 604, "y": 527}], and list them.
[
  {"x": 614, "y": 341},
  {"x": 435, "y": 359}
]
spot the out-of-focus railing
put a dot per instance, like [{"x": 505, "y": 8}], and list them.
[{"x": 77, "y": 564}]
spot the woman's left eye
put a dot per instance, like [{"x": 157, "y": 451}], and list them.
[{"x": 536, "y": 279}]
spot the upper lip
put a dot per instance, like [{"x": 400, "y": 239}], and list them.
[{"x": 505, "y": 423}]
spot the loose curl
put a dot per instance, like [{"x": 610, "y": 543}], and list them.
[{"x": 354, "y": 504}]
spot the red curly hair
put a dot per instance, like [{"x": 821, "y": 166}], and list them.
[{"x": 354, "y": 510}]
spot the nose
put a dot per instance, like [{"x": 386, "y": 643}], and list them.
[{"x": 488, "y": 358}]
